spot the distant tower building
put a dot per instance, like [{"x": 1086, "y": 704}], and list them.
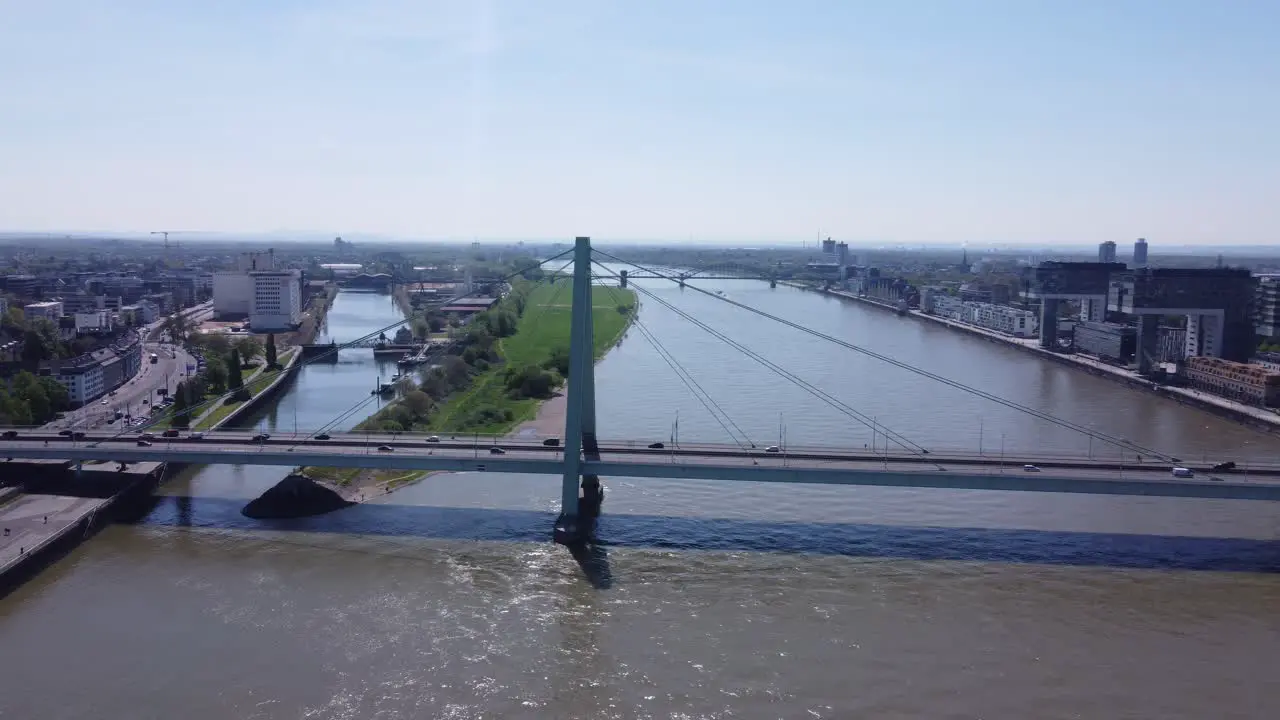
[
  {"x": 1107, "y": 252},
  {"x": 1140, "y": 253},
  {"x": 829, "y": 246}
]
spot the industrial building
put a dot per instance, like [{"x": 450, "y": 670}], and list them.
[
  {"x": 1111, "y": 342},
  {"x": 1253, "y": 384}
]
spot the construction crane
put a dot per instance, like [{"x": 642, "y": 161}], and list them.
[{"x": 165, "y": 233}]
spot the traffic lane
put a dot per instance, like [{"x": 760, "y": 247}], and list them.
[
  {"x": 533, "y": 453},
  {"x": 399, "y": 440}
]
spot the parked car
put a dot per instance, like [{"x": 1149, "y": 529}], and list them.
[
  {"x": 551, "y": 442},
  {"x": 497, "y": 451}
]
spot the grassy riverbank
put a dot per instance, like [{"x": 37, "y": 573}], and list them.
[{"x": 543, "y": 330}]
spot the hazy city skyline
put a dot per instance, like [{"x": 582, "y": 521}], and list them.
[{"x": 993, "y": 123}]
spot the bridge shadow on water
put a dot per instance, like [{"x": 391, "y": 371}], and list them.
[{"x": 863, "y": 540}]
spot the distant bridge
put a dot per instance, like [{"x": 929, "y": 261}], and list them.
[{"x": 714, "y": 271}]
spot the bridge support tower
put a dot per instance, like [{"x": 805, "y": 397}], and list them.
[
  {"x": 622, "y": 279},
  {"x": 581, "y": 495}
]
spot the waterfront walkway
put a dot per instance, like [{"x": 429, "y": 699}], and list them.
[
  {"x": 30, "y": 522},
  {"x": 1264, "y": 416}
]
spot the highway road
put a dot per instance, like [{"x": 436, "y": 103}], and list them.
[{"x": 728, "y": 463}]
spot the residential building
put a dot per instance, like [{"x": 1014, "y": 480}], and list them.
[
  {"x": 1266, "y": 306},
  {"x": 82, "y": 381},
  {"x": 1245, "y": 382},
  {"x": 143, "y": 313},
  {"x": 1140, "y": 253},
  {"x": 51, "y": 310},
  {"x": 1107, "y": 252},
  {"x": 24, "y": 286},
  {"x": 277, "y": 300},
  {"x": 1005, "y": 319},
  {"x": 90, "y": 376},
  {"x": 1268, "y": 360},
  {"x": 1106, "y": 341},
  {"x": 97, "y": 321}
]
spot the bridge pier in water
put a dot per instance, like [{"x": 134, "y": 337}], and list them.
[{"x": 580, "y": 495}]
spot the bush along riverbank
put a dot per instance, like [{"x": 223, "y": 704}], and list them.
[{"x": 507, "y": 361}]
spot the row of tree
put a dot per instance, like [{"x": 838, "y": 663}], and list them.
[{"x": 31, "y": 400}]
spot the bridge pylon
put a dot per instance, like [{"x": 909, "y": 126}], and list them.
[{"x": 578, "y": 510}]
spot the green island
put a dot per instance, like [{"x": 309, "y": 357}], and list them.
[{"x": 505, "y": 362}]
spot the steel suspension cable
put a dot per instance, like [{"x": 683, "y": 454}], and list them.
[
  {"x": 690, "y": 383},
  {"x": 1112, "y": 440},
  {"x": 901, "y": 440}
]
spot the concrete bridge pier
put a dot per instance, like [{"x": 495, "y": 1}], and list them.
[
  {"x": 580, "y": 497},
  {"x": 622, "y": 279}
]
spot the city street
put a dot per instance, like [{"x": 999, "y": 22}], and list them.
[{"x": 171, "y": 366}]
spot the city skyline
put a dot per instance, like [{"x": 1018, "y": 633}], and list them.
[{"x": 992, "y": 124}]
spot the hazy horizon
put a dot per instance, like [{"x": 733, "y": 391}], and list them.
[{"x": 990, "y": 123}]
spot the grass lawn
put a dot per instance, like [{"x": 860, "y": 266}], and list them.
[{"x": 543, "y": 327}]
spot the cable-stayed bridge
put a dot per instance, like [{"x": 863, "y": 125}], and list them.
[{"x": 580, "y": 457}]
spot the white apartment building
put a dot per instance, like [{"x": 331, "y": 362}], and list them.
[
  {"x": 277, "y": 300},
  {"x": 95, "y": 321},
  {"x": 45, "y": 310},
  {"x": 84, "y": 383}
]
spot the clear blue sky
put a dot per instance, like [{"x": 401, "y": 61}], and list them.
[{"x": 907, "y": 121}]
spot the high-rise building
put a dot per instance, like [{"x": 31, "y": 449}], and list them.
[
  {"x": 277, "y": 300},
  {"x": 1107, "y": 252},
  {"x": 1140, "y": 253}
]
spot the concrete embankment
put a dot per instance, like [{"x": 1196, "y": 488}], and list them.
[
  {"x": 1257, "y": 418},
  {"x": 47, "y": 509}
]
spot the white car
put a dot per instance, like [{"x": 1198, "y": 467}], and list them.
[
  {"x": 1031, "y": 468},
  {"x": 104, "y": 401}
]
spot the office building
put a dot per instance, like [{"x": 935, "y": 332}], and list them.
[
  {"x": 1140, "y": 253},
  {"x": 51, "y": 311},
  {"x": 4, "y": 306},
  {"x": 1253, "y": 384},
  {"x": 1111, "y": 342},
  {"x": 277, "y": 300},
  {"x": 96, "y": 321},
  {"x": 1266, "y": 306},
  {"x": 24, "y": 286},
  {"x": 1218, "y": 304},
  {"x": 1107, "y": 252}
]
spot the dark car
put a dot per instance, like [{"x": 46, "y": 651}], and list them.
[
  {"x": 10, "y": 434},
  {"x": 147, "y": 436},
  {"x": 77, "y": 435},
  {"x": 144, "y": 443},
  {"x": 1228, "y": 465},
  {"x": 656, "y": 446},
  {"x": 322, "y": 436},
  {"x": 551, "y": 442},
  {"x": 497, "y": 451},
  {"x": 170, "y": 433},
  {"x": 64, "y": 433},
  {"x": 260, "y": 437},
  {"x": 386, "y": 448}
]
